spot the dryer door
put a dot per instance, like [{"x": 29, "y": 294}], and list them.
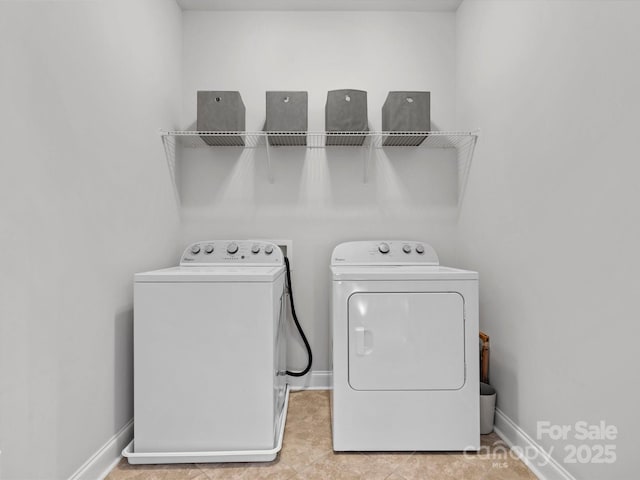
[{"x": 406, "y": 341}]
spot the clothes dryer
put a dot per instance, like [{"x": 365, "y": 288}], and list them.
[{"x": 404, "y": 350}]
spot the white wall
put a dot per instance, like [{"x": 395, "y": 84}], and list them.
[
  {"x": 85, "y": 201},
  {"x": 551, "y": 212},
  {"x": 318, "y": 198}
]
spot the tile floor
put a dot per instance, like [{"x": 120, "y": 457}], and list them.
[{"x": 307, "y": 455}]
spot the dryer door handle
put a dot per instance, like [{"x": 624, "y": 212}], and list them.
[{"x": 364, "y": 341}]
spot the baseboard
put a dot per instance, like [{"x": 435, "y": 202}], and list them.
[
  {"x": 317, "y": 380},
  {"x": 106, "y": 458},
  {"x": 536, "y": 458}
]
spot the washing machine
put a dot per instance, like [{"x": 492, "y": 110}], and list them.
[
  {"x": 404, "y": 350},
  {"x": 209, "y": 356}
]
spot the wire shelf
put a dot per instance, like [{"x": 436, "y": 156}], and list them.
[
  {"x": 463, "y": 142},
  {"x": 435, "y": 139}
]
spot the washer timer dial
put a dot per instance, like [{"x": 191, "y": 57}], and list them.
[{"x": 383, "y": 248}]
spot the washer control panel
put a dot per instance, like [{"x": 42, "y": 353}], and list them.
[
  {"x": 384, "y": 252},
  {"x": 232, "y": 252}
]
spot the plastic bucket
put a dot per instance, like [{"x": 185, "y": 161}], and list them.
[{"x": 487, "y": 408}]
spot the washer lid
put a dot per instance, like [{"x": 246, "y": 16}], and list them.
[
  {"x": 401, "y": 272},
  {"x": 198, "y": 274}
]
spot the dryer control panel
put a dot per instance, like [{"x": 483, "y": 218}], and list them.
[
  {"x": 384, "y": 252},
  {"x": 232, "y": 252}
]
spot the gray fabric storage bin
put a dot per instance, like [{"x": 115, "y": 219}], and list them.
[
  {"x": 346, "y": 111},
  {"x": 287, "y": 112},
  {"x": 406, "y": 112},
  {"x": 221, "y": 111}
]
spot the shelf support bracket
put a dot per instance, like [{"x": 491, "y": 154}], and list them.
[
  {"x": 169, "y": 144},
  {"x": 465, "y": 155},
  {"x": 367, "y": 158},
  {"x": 269, "y": 167}
]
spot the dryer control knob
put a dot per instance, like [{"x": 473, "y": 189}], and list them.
[
  {"x": 255, "y": 249},
  {"x": 232, "y": 248},
  {"x": 208, "y": 249},
  {"x": 383, "y": 248},
  {"x": 268, "y": 249},
  {"x": 406, "y": 248},
  {"x": 420, "y": 249},
  {"x": 195, "y": 249}
]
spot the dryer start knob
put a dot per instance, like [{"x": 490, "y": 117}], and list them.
[
  {"x": 195, "y": 249},
  {"x": 420, "y": 249},
  {"x": 383, "y": 248},
  {"x": 268, "y": 249},
  {"x": 232, "y": 248}
]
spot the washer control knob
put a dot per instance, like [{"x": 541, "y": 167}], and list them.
[
  {"x": 383, "y": 248},
  {"x": 406, "y": 248},
  {"x": 420, "y": 249},
  {"x": 268, "y": 249},
  {"x": 208, "y": 249},
  {"x": 195, "y": 249},
  {"x": 232, "y": 248},
  {"x": 255, "y": 248}
]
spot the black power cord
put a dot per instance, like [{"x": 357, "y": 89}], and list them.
[{"x": 295, "y": 319}]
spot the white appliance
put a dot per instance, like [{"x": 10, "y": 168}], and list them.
[
  {"x": 209, "y": 356},
  {"x": 405, "y": 350}
]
